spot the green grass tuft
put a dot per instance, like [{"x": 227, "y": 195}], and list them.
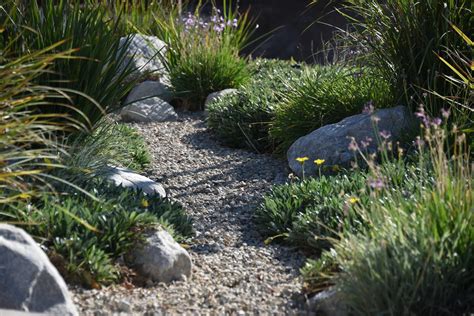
[
  {"x": 325, "y": 95},
  {"x": 242, "y": 120}
]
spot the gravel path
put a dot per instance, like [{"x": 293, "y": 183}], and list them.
[{"x": 234, "y": 272}]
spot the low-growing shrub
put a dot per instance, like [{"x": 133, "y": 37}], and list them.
[
  {"x": 243, "y": 119},
  {"x": 417, "y": 255},
  {"x": 86, "y": 235},
  {"x": 309, "y": 213},
  {"x": 312, "y": 213},
  {"x": 325, "y": 95}
]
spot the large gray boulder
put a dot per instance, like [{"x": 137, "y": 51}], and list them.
[
  {"x": 331, "y": 142},
  {"x": 126, "y": 178},
  {"x": 28, "y": 280},
  {"x": 161, "y": 258},
  {"x": 149, "y": 110},
  {"x": 148, "y": 89},
  {"x": 146, "y": 55}
]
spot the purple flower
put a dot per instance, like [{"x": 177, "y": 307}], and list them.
[
  {"x": 436, "y": 122},
  {"x": 353, "y": 145},
  {"x": 445, "y": 113},
  {"x": 376, "y": 183},
  {"x": 419, "y": 142},
  {"x": 423, "y": 116},
  {"x": 368, "y": 108},
  {"x": 385, "y": 134},
  {"x": 219, "y": 28},
  {"x": 366, "y": 143},
  {"x": 190, "y": 21}
]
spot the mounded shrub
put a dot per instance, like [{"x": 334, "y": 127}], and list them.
[
  {"x": 325, "y": 95},
  {"x": 85, "y": 235},
  {"x": 310, "y": 212},
  {"x": 242, "y": 120},
  {"x": 203, "y": 53}
]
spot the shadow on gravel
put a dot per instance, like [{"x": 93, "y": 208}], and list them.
[
  {"x": 237, "y": 178},
  {"x": 245, "y": 167}
]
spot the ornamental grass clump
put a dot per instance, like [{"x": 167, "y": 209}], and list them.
[
  {"x": 399, "y": 38},
  {"x": 242, "y": 119},
  {"x": 325, "y": 95},
  {"x": 95, "y": 66},
  {"x": 203, "y": 53},
  {"x": 29, "y": 149},
  {"x": 416, "y": 254}
]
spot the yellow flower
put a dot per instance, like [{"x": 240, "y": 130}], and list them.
[
  {"x": 353, "y": 200},
  {"x": 48, "y": 162},
  {"x": 319, "y": 161},
  {"x": 336, "y": 168},
  {"x": 302, "y": 159},
  {"x": 145, "y": 203},
  {"x": 24, "y": 196}
]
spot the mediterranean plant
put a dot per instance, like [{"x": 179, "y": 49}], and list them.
[
  {"x": 243, "y": 119},
  {"x": 400, "y": 38},
  {"x": 203, "y": 54},
  {"x": 96, "y": 65},
  {"x": 85, "y": 236},
  {"x": 416, "y": 255},
  {"x": 325, "y": 95}
]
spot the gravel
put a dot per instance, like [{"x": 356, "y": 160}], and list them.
[{"x": 234, "y": 272}]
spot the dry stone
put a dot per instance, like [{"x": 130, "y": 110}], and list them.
[
  {"x": 148, "y": 89},
  {"x": 129, "y": 179},
  {"x": 331, "y": 142},
  {"x": 149, "y": 110},
  {"x": 146, "y": 55},
  {"x": 161, "y": 258},
  {"x": 29, "y": 282}
]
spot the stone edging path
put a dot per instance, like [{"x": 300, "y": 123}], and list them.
[{"x": 234, "y": 272}]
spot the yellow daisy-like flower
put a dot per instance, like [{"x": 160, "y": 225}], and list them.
[
  {"x": 319, "y": 161},
  {"x": 336, "y": 168},
  {"x": 353, "y": 200},
  {"x": 302, "y": 159},
  {"x": 145, "y": 203}
]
